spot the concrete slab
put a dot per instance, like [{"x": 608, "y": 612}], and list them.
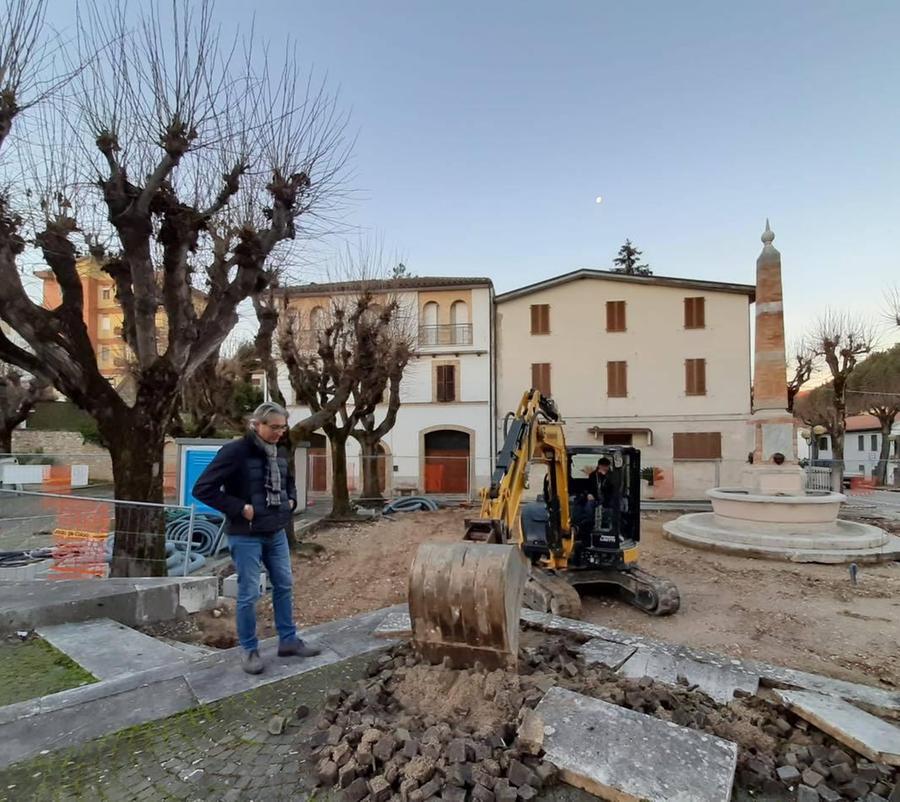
[
  {"x": 395, "y": 625},
  {"x": 27, "y": 737},
  {"x": 861, "y": 731},
  {"x": 28, "y": 728},
  {"x": 109, "y": 649},
  {"x": 618, "y": 754},
  {"x": 771, "y": 676},
  {"x": 610, "y": 654},
  {"x": 718, "y": 682},
  {"x": 28, "y": 605}
]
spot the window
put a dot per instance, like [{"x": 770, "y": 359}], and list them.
[
  {"x": 459, "y": 313},
  {"x": 540, "y": 318},
  {"x": 430, "y": 314},
  {"x": 617, "y": 438},
  {"x": 617, "y": 379},
  {"x": 697, "y": 445},
  {"x": 615, "y": 315},
  {"x": 104, "y": 355},
  {"x": 446, "y": 383},
  {"x": 823, "y": 444},
  {"x": 874, "y": 442},
  {"x": 861, "y": 442},
  {"x": 862, "y": 470},
  {"x": 695, "y": 376},
  {"x": 540, "y": 377},
  {"x": 105, "y": 323},
  {"x": 106, "y": 293},
  {"x": 695, "y": 313},
  {"x": 317, "y": 318}
]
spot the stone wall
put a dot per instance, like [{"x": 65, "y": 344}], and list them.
[{"x": 68, "y": 448}]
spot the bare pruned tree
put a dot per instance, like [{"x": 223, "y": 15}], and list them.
[
  {"x": 18, "y": 395},
  {"x": 800, "y": 369},
  {"x": 183, "y": 164},
  {"x": 325, "y": 365},
  {"x": 874, "y": 388},
  {"x": 892, "y": 301},
  {"x": 816, "y": 409},
  {"x": 841, "y": 340}
]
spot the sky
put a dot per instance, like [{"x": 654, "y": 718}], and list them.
[{"x": 485, "y": 132}]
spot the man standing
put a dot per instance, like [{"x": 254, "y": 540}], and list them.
[{"x": 249, "y": 483}]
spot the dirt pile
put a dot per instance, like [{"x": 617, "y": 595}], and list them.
[{"x": 421, "y": 731}]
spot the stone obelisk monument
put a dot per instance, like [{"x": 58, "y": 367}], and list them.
[{"x": 772, "y": 426}]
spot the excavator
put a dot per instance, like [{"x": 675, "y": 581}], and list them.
[{"x": 577, "y": 534}]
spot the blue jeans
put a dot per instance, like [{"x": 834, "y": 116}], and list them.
[{"x": 248, "y": 553}]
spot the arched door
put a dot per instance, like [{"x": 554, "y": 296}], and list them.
[{"x": 447, "y": 456}]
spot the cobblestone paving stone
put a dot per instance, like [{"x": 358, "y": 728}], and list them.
[{"x": 220, "y": 752}]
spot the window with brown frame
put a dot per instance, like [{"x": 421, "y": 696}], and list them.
[
  {"x": 540, "y": 318},
  {"x": 540, "y": 377},
  {"x": 697, "y": 445},
  {"x": 615, "y": 315},
  {"x": 695, "y": 313},
  {"x": 617, "y": 379},
  {"x": 446, "y": 383},
  {"x": 695, "y": 376}
]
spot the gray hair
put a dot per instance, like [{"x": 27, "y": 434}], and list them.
[{"x": 266, "y": 410}]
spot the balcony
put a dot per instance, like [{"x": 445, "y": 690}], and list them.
[{"x": 445, "y": 334}]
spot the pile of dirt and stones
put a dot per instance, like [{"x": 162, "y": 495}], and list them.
[{"x": 420, "y": 732}]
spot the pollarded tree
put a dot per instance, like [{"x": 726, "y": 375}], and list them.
[
  {"x": 874, "y": 388},
  {"x": 180, "y": 162}
]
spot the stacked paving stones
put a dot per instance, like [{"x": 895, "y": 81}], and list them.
[{"x": 372, "y": 749}]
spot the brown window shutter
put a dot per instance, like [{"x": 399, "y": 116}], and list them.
[
  {"x": 615, "y": 315},
  {"x": 695, "y": 313},
  {"x": 446, "y": 383},
  {"x": 540, "y": 318},
  {"x": 697, "y": 445},
  {"x": 540, "y": 377},
  {"x": 617, "y": 379},
  {"x": 695, "y": 376}
]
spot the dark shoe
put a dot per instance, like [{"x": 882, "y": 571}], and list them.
[
  {"x": 252, "y": 663},
  {"x": 297, "y": 648}
]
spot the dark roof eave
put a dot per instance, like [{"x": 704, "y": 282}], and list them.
[{"x": 662, "y": 281}]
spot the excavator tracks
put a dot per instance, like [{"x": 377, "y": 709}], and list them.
[
  {"x": 652, "y": 594},
  {"x": 550, "y": 593}
]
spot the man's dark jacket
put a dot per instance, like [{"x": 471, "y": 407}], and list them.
[{"x": 237, "y": 476}]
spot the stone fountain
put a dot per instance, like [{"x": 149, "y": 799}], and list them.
[{"x": 772, "y": 514}]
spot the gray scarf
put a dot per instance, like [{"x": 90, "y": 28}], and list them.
[{"x": 273, "y": 472}]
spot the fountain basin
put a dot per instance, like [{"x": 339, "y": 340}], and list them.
[{"x": 808, "y": 510}]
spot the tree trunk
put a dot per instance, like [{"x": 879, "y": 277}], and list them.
[
  {"x": 368, "y": 455},
  {"x": 837, "y": 446},
  {"x": 340, "y": 492},
  {"x": 5, "y": 441},
  {"x": 880, "y": 474},
  {"x": 137, "y": 457}
]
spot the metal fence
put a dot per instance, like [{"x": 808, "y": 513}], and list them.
[{"x": 79, "y": 531}]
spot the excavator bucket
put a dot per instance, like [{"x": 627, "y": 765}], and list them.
[{"x": 465, "y": 601}]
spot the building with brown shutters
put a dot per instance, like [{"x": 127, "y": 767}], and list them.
[
  {"x": 443, "y": 439},
  {"x": 660, "y": 363}
]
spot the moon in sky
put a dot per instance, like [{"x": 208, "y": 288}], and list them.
[{"x": 599, "y": 199}]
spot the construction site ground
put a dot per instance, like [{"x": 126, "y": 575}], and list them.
[{"x": 804, "y": 616}]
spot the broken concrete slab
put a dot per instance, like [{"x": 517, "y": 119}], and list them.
[
  {"x": 718, "y": 682},
  {"x": 51, "y": 722},
  {"x": 28, "y": 605},
  {"x": 616, "y": 753},
  {"x": 109, "y": 649},
  {"x": 610, "y": 654},
  {"x": 771, "y": 676},
  {"x": 864, "y": 733},
  {"x": 395, "y": 625}
]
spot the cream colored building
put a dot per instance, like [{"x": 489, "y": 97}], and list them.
[
  {"x": 659, "y": 363},
  {"x": 442, "y": 441}
]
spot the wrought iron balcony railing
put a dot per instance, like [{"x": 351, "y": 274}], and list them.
[{"x": 445, "y": 334}]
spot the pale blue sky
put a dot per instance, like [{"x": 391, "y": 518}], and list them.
[{"x": 487, "y": 129}]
